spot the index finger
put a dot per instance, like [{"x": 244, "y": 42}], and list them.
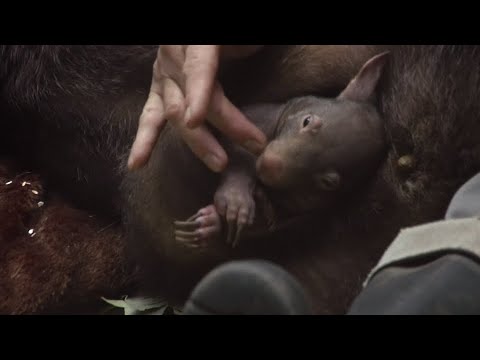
[{"x": 150, "y": 125}]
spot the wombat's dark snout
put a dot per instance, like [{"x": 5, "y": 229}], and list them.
[{"x": 270, "y": 168}]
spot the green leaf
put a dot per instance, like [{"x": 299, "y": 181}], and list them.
[
  {"x": 115, "y": 303},
  {"x": 143, "y": 304},
  {"x": 139, "y": 305}
]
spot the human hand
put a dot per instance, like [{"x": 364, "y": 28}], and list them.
[{"x": 185, "y": 91}]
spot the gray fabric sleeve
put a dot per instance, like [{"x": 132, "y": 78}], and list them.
[{"x": 442, "y": 236}]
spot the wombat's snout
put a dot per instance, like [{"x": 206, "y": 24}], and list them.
[{"x": 269, "y": 168}]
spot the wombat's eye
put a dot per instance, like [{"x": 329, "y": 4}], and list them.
[{"x": 306, "y": 121}]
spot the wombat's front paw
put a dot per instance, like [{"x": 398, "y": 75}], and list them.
[
  {"x": 200, "y": 229},
  {"x": 238, "y": 208}
]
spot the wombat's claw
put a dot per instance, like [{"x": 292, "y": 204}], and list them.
[
  {"x": 237, "y": 220},
  {"x": 234, "y": 232},
  {"x": 236, "y": 239},
  {"x": 231, "y": 235},
  {"x": 199, "y": 228}
]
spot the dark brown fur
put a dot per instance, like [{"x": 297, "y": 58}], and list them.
[
  {"x": 64, "y": 105},
  {"x": 68, "y": 259},
  {"x": 176, "y": 195},
  {"x": 74, "y": 110},
  {"x": 430, "y": 104},
  {"x": 281, "y": 72}
]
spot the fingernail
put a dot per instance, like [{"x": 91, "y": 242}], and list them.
[
  {"x": 213, "y": 162},
  {"x": 254, "y": 146},
  {"x": 131, "y": 164}
]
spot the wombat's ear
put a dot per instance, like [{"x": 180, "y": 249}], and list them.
[
  {"x": 362, "y": 86},
  {"x": 328, "y": 181}
]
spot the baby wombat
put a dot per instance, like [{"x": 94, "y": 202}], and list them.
[{"x": 319, "y": 149}]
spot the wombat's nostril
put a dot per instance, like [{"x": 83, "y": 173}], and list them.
[{"x": 269, "y": 168}]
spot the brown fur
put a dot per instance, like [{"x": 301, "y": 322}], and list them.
[
  {"x": 74, "y": 98},
  {"x": 69, "y": 261},
  {"x": 281, "y": 72},
  {"x": 429, "y": 102},
  {"x": 151, "y": 209}
]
